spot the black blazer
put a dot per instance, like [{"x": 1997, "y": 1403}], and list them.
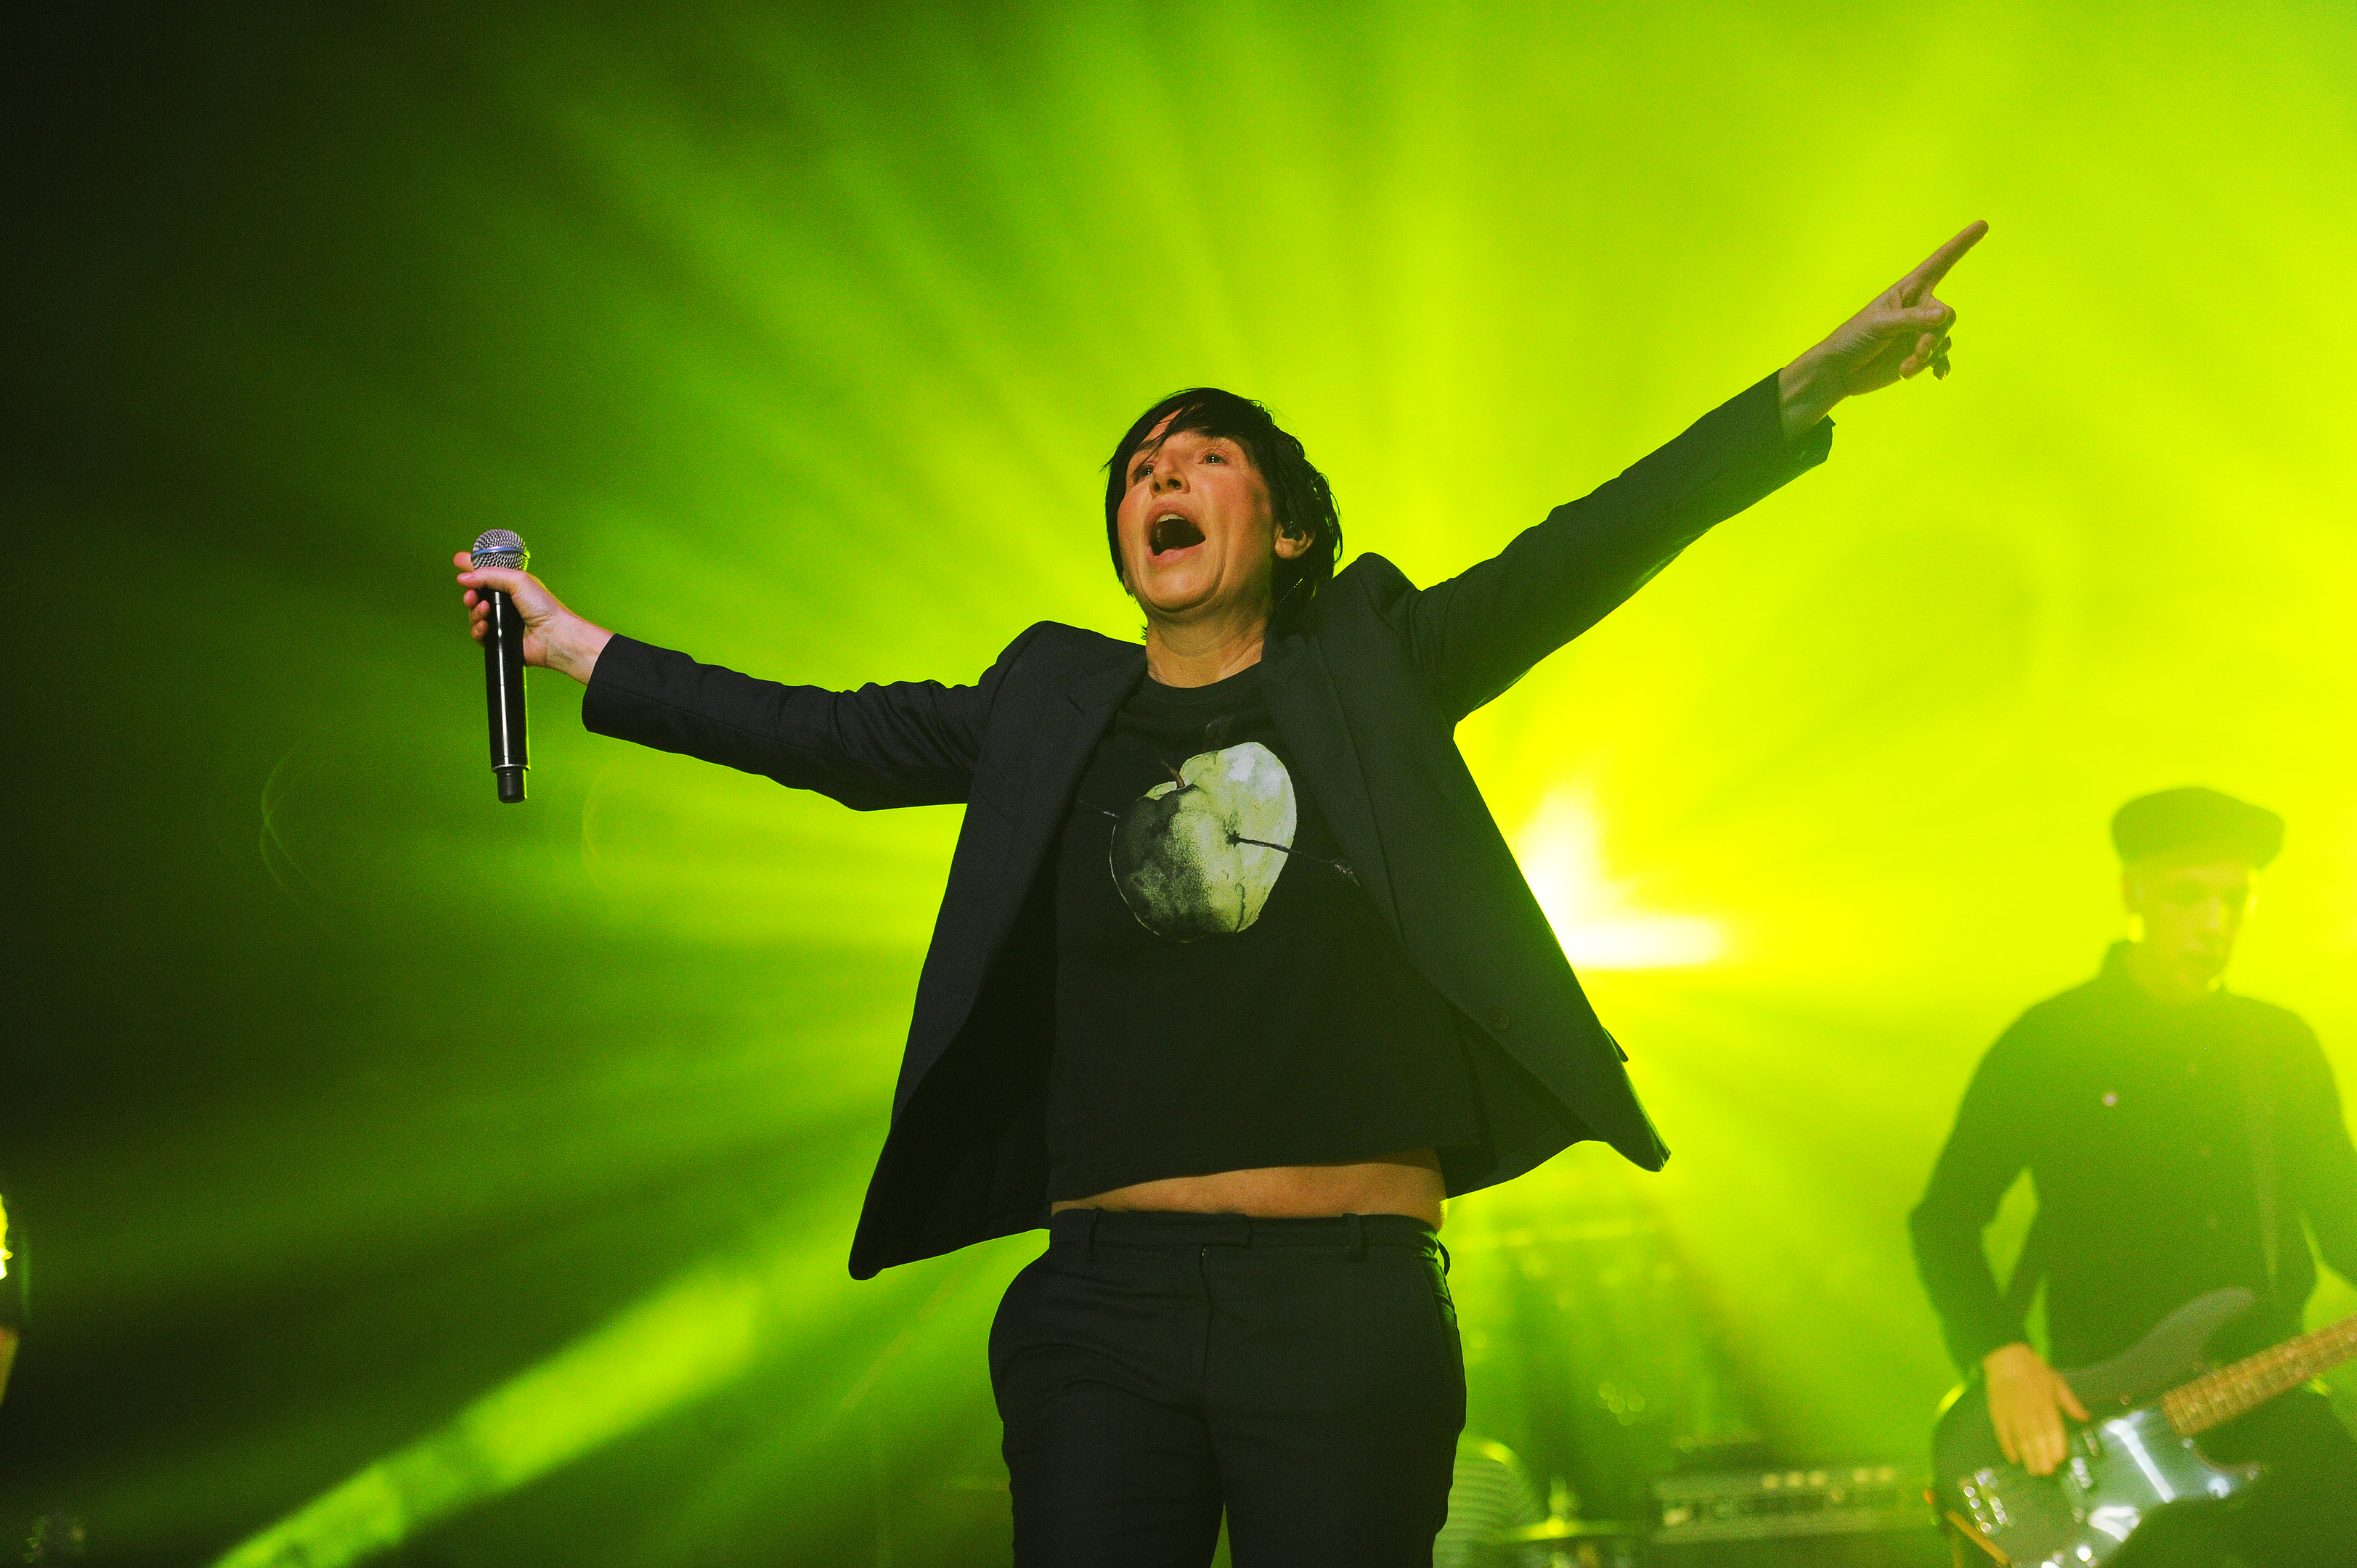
[{"x": 1367, "y": 689}]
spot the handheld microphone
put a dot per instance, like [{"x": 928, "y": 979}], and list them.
[{"x": 503, "y": 665}]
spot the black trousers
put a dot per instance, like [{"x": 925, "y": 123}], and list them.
[
  {"x": 1303, "y": 1374},
  {"x": 2303, "y": 1515}
]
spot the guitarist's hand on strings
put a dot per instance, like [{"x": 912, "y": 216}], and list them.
[{"x": 2026, "y": 1399}]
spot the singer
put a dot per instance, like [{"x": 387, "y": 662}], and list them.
[{"x": 1235, "y": 980}]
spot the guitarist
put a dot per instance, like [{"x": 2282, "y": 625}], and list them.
[{"x": 2181, "y": 1139}]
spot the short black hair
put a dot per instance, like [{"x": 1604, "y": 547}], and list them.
[{"x": 1298, "y": 496}]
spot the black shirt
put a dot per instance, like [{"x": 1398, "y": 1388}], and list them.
[
  {"x": 2133, "y": 1121},
  {"x": 1227, "y": 997}
]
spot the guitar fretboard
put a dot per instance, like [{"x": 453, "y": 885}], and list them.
[{"x": 2229, "y": 1392}]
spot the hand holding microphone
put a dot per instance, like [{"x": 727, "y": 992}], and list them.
[{"x": 518, "y": 622}]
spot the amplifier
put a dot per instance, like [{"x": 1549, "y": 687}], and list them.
[{"x": 1775, "y": 1504}]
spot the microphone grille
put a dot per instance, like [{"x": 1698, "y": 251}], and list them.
[{"x": 498, "y": 547}]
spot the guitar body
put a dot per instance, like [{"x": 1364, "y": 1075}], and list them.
[{"x": 2118, "y": 1468}]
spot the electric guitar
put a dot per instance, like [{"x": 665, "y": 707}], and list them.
[{"x": 2149, "y": 1402}]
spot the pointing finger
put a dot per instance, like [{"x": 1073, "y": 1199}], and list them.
[{"x": 1935, "y": 266}]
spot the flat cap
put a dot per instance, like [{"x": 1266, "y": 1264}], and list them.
[{"x": 2194, "y": 818}]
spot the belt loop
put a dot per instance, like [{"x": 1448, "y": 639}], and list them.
[
  {"x": 1445, "y": 1259},
  {"x": 1089, "y": 1240},
  {"x": 1358, "y": 1237}
]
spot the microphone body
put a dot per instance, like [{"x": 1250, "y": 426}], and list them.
[{"x": 504, "y": 666}]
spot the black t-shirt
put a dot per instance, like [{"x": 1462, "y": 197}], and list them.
[{"x": 1227, "y": 996}]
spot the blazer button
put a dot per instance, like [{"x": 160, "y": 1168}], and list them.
[{"x": 1497, "y": 1020}]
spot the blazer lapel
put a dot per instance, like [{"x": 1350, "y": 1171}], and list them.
[
  {"x": 1308, "y": 713},
  {"x": 1071, "y": 724}
]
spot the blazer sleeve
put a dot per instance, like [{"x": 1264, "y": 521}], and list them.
[
  {"x": 1476, "y": 634},
  {"x": 1986, "y": 1152},
  {"x": 912, "y": 742}
]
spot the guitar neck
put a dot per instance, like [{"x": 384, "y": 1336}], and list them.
[{"x": 2229, "y": 1392}]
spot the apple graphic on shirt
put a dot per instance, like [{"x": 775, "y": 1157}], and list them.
[{"x": 1198, "y": 855}]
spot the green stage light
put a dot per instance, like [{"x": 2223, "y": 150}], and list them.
[{"x": 697, "y": 1333}]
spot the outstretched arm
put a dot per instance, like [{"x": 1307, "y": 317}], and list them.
[
  {"x": 1476, "y": 634},
  {"x": 912, "y": 743}
]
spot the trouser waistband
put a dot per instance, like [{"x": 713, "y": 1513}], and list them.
[{"x": 1089, "y": 1228}]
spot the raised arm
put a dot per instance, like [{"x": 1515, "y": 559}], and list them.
[
  {"x": 1476, "y": 634},
  {"x": 1481, "y": 631},
  {"x": 906, "y": 743}
]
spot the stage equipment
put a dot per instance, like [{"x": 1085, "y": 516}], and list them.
[
  {"x": 1707, "y": 1515},
  {"x": 503, "y": 664}
]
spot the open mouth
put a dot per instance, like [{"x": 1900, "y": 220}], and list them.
[{"x": 1170, "y": 531}]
